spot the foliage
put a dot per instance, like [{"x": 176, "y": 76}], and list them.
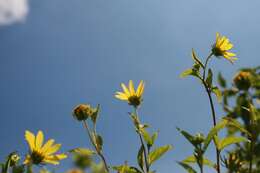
[{"x": 238, "y": 151}]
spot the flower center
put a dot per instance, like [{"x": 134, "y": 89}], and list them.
[
  {"x": 217, "y": 51},
  {"x": 37, "y": 157},
  {"x": 134, "y": 100}
]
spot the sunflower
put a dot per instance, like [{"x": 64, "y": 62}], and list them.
[
  {"x": 39, "y": 153},
  {"x": 221, "y": 48},
  {"x": 129, "y": 94}
]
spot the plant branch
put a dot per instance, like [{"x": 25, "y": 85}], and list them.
[
  {"x": 143, "y": 145},
  {"x": 208, "y": 90},
  {"x": 93, "y": 143}
]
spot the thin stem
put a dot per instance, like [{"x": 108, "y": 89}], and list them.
[
  {"x": 143, "y": 145},
  {"x": 208, "y": 90},
  {"x": 93, "y": 143},
  {"x": 205, "y": 66}
]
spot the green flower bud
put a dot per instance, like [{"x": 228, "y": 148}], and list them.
[
  {"x": 14, "y": 159},
  {"x": 83, "y": 112}
]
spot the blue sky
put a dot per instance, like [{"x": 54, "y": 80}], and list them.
[{"x": 66, "y": 53}]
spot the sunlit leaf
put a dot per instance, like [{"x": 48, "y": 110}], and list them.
[
  {"x": 196, "y": 58},
  {"x": 223, "y": 143},
  {"x": 158, "y": 152},
  {"x": 187, "y": 167}
]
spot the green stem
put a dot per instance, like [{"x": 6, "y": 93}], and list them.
[
  {"x": 93, "y": 143},
  {"x": 208, "y": 90},
  {"x": 143, "y": 145}
]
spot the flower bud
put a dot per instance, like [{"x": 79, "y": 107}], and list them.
[
  {"x": 242, "y": 80},
  {"x": 199, "y": 138},
  {"x": 14, "y": 159},
  {"x": 83, "y": 111}
]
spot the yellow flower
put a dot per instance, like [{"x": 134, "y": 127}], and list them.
[
  {"x": 221, "y": 48},
  {"x": 39, "y": 153},
  {"x": 130, "y": 95}
]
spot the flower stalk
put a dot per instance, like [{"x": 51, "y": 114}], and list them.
[{"x": 99, "y": 152}]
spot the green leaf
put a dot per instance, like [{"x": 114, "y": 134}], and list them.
[
  {"x": 194, "y": 71},
  {"x": 95, "y": 115},
  {"x": 218, "y": 93},
  {"x": 196, "y": 58},
  {"x": 188, "y": 136},
  {"x": 213, "y": 132},
  {"x": 146, "y": 136},
  {"x": 158, "y": 152},
  {"x": 234, "y": 123},
  {"x": 154, "y": 137},
  {"x": 83, "y": 151},
  {"x": 209, "y": 78},
  {"x": 187, "y": 167},
  {"x": 192, "y": 159},
  {"x": 187, "y": 72},
  {"x": 140, "y": 157},
  {"x": 223, "y": 143},
  {"x": 221, "y": 81},
  {"x": 126, "y": 169}
]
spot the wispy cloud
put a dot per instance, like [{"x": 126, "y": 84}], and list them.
[{"x": 12, "y": 11}]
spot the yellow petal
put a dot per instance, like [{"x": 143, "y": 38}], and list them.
[
  {"x": 27, "y": 160},
  {"x": 224, "y": 44},
  {"x": 30, "y": 138},
  {"x": 140, "y": 88},
  {"x": 121, "y": 96},
  {"x": 39, "y": 140},
  {"x": 47, "y": 145},
  {"x": 51, "y": 161},
  {"x": 52, "y": 149},
  {"x": 131, "y": 88},
  {"x": 126, "y": 91},
  {"x": 54, "y": 159}
]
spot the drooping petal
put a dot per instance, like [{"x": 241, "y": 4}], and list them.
[
  {"x": 126, "y": 91},
  {"x": 39, "y": 140},
  {"x": 131, "y": 87},
  {"x": 47, "y": 145},
  {"x": 54, "y": 148},
  {"x": 30, "y": 138}
]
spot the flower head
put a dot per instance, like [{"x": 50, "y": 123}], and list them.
[
  {"x": 129, "y": 94},
  {"x": 39, "y": 153},
  {"x": 221, "y": 48},
  {"x": 83, "y": 111},
  {"x": 242, "y": 80}
]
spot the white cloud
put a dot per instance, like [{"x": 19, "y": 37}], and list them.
[{"x": 12, "y": 11}]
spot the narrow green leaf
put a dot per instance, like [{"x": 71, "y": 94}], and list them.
[
  {"x": 223, "y": 143},
  {"x": 187, "y": 167},
  {"x": 147, "y": 137},
  {"x": 213, "y": 132},
  {"x": 192, "y": 159},
  {"x": 187, "y": 73},
  {"x": 196, "y": 58},
  {"x": 95, "y": 115},
  {"x": 83, "y": 151},
  {"x": 217, "y": 93},
  {"x": 234, "y": 123},
  {"x": 140, "y": 157},
  {"x": 188, "y": 136},
  {"x": 221, "y": 81},
  {"x": 158, "y": 152}
]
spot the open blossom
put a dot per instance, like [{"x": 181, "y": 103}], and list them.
[
  {"x": 222, "y": 47},
  {"x": 39, "y": 153},
  {"x": 130, "y": 95}
]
